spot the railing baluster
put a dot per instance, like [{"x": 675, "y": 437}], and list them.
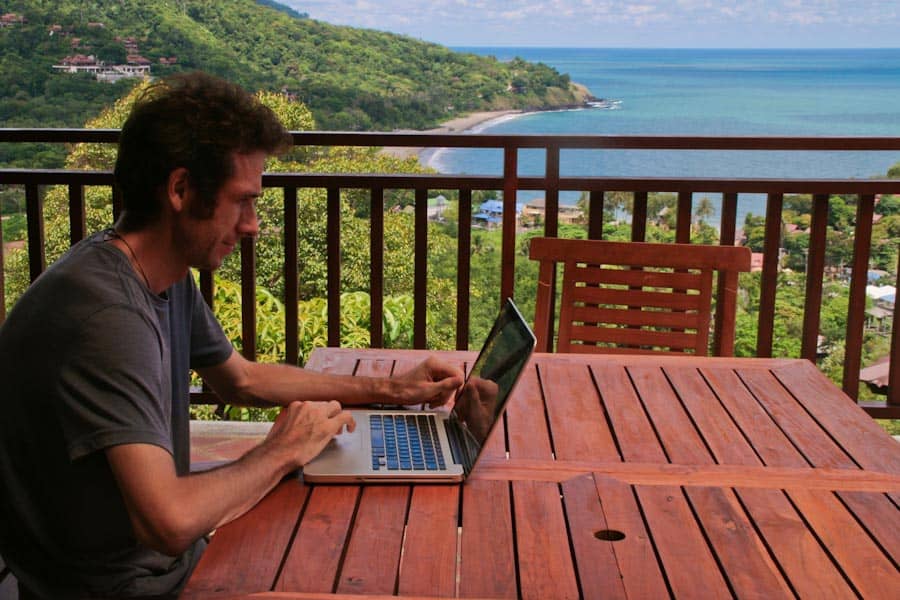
[
  {"x": 420, "y": 285},
  {"x": 815, "y": 269},
  {"x": 2, "y": 275},
  {"x": 551, "y": 193},
  {"x": 508, "y": 245},
  {"x": 893, "y": 395},
  {"x": 248, "y": 298},
  {"x": 639, "y": 217},
  {"x": 856, "y": 309},
  {"x": 683, "y": 220},
  {"x": 595, "y": 214},
  {"x": 207, "y": 287},
  {"x": 117, "y": 202},
  {"x": 291, "y": 284},
  {"x": 376, "y": 267},
  {"x": 77, "y": 226},
  {"x": 769, "y": 284},
  {"x": 727, "y": 228},
  {"x": 333, "y": 245},
  {"x": 464, "y": 268},
  {"x": 34, "y": 210}
]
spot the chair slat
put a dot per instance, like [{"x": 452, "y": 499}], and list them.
[
  {"x": 637, "y": 277},
  {"x": 632, "y": 337},
  {"x": 595, "y": 295}
]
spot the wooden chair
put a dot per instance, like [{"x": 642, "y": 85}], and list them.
[{"x": 634, "y": 297}]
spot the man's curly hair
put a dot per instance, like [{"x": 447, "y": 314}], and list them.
[{"x": 195, "y": 121}]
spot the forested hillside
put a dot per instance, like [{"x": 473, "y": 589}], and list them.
[{"x": 351, "y": 79}]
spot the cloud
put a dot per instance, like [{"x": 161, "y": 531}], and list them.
[{"x": 564, "y": 22}]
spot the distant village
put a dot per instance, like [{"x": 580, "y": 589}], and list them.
[{"x": 135, "y": 65}]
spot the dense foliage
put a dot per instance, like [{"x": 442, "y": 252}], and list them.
[{"x": 351, "y": 79}]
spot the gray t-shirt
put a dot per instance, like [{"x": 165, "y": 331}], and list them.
[{"x": 89, "y": 359}]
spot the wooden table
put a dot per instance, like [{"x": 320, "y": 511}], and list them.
[{"x": 638, "y": 477}]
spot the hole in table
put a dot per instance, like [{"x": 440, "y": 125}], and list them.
[{"x": 609, "y": 535}]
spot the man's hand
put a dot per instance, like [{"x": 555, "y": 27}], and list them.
[
  {"x": 303, "y": 429},
  {"x": 432, "y": 382}
]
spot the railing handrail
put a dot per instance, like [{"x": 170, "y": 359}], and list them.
[{"x": 483, "y": 140}]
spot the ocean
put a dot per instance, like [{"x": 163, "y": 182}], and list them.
[{"x": 829, "y": 92}]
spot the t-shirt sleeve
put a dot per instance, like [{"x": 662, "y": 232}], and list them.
[
  {"x": 114, "y": 389},
  {"x": 209, "y": 344}
]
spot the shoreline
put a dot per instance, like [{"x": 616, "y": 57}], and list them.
[{"x": 462, "y": 124}]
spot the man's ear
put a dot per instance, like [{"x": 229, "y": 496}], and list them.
[{"x": 177, "y": 188}]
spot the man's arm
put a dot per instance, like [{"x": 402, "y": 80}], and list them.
[
  {"x": 168, "y": 513},
  {"x": 247, "y": 383}
]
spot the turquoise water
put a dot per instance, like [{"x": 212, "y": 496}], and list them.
[{"x": 709, "y": 92}]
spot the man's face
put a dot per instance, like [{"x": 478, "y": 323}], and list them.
[{"x": 206, "y": 242}]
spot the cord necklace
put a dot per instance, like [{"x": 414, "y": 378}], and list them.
[{"x": 118, "y": 236}]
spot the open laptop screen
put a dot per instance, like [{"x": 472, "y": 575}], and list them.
[{"x": 502, "y": 359}]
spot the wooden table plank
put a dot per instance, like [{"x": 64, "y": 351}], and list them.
[
  {"x": 256, "y": 541},
  {"x": 487, "y": 566},
  {"x": 749, "y": 569},
  {"x": 313, "y": 560},
  {"x": 373, "y": 553},
  {"x": 635, "y": 555},
  {"x": 598, "y": 570},
  {"x": 799, "y": 553},
  {"x": 804, "y": 432},
  {"x": 634, "y": 434},
  {"x": 428, "y": 561},
  {"x": 574, "y": 407},
  {"x": 863, "y": 562},
  {"x": 688, "y": 562},
  {"x": 863, "y": 439}
]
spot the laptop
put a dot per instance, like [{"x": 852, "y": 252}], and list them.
[{"x": 405, "y": 445}]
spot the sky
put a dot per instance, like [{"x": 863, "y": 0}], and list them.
[{"x": 623, "y": 23}]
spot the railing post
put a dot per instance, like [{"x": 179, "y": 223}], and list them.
[
  {"x": 291, "y": 284},
  {"x": 464, "y": 269},
  {"x": 333, "y": 245},
  {"x": 376, "y": 267},
  {"x": 77, "y": 226},
  {"x": 856, "y": 309},
  {"x": 638, "y": 217},
  {"x": 769, "y": 284},
  {"x": 248, "y": 298},
  {"x": 727, "y": 227},
  {"x": 683, "y": 219},
  {"x": 2, "y": 278},
  {"x": 420, "y": 284},
  {"x": 893, "y": 395},
  {"x": 551, "y": 193},
  {"x": 815, "y": 267},
  {"x": 508, "y": 245},
  {"x": 34, "y": 211}
]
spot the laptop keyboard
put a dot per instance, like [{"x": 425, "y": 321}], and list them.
[{"x": 405, "y": 443}]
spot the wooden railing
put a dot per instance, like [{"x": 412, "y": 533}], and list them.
[{"x": 551, "y": 183}]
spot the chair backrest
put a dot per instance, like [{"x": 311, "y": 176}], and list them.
[{"x": 635, "y": 297}]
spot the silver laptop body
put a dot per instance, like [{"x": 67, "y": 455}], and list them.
[{"x": 433, "y": 445}]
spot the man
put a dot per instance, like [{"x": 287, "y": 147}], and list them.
[{"x": 96, "y": 498}]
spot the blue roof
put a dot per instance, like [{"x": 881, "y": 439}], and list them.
[
  {"x": 483, "y": 216},
  {"x": 493, "y": 206}
]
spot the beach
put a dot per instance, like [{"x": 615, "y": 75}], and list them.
[{"x": 457, "y": 125}]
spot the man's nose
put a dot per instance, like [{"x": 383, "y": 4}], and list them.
[{"x": 249, "y": 223}]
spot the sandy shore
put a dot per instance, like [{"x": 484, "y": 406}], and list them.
[{"x": 457, "y": 125}]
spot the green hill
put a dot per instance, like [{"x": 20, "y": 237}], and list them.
[{"x": 351, "y": 79}]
